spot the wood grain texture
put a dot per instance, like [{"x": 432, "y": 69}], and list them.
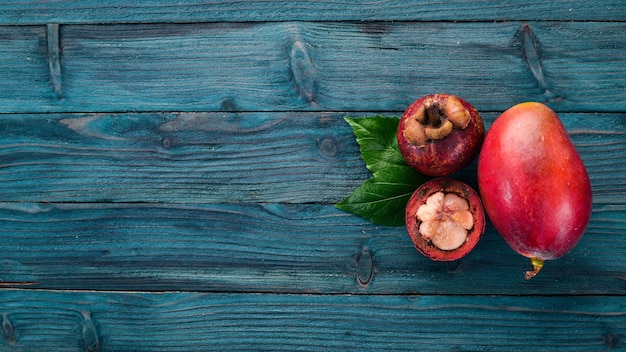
[
  {"x": 228, "y": 157},
  {"x": 277, "y": 248},
  {"x": 168, "y": 172},
  {"x": 178, "y": 157},
  {"x": 191, "y": 322},
  {"x": 339, "y": 66},
  {"x": 24, "y": 66},
  {"x": 116, "y": 11}
]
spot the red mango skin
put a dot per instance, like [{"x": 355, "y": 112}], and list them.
[{"x": 534, "y": 186}]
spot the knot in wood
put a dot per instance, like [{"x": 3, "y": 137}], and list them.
[
  {"x": 90, "y": 335},
  {"x": 365, "y": 268},
  {"x": 167, "y": 142},
  {"x": 8, "y": 331},
  {"x": 328, "y": 147}
]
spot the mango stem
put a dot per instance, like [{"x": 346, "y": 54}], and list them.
[{"x": 537, "y": 264}]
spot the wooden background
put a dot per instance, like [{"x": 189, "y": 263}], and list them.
[{"x": 168, "y": 172}]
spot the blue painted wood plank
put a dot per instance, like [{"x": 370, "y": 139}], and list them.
[
  {"x": 116, "y": 11},
  {"x": 228, "y": 158},
  {"x": 178, "y": 157},
  {"x": 225, "y": 183},
  {"x": 24, "y": 67},
  {"x": 277, "y": 248},
  {"x": 106, "y": 321},
  {"x": 321, "y": 66}
]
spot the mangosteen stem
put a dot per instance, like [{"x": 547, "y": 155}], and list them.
[
  {"x": 434, "y": 115},
  {"x": 537, "y": 264}
]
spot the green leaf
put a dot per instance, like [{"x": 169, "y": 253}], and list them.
[
  {"x": 377, "y": 138},
  {"x": 381, "y": 199},
  {"x": 382, "y": 203}
]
